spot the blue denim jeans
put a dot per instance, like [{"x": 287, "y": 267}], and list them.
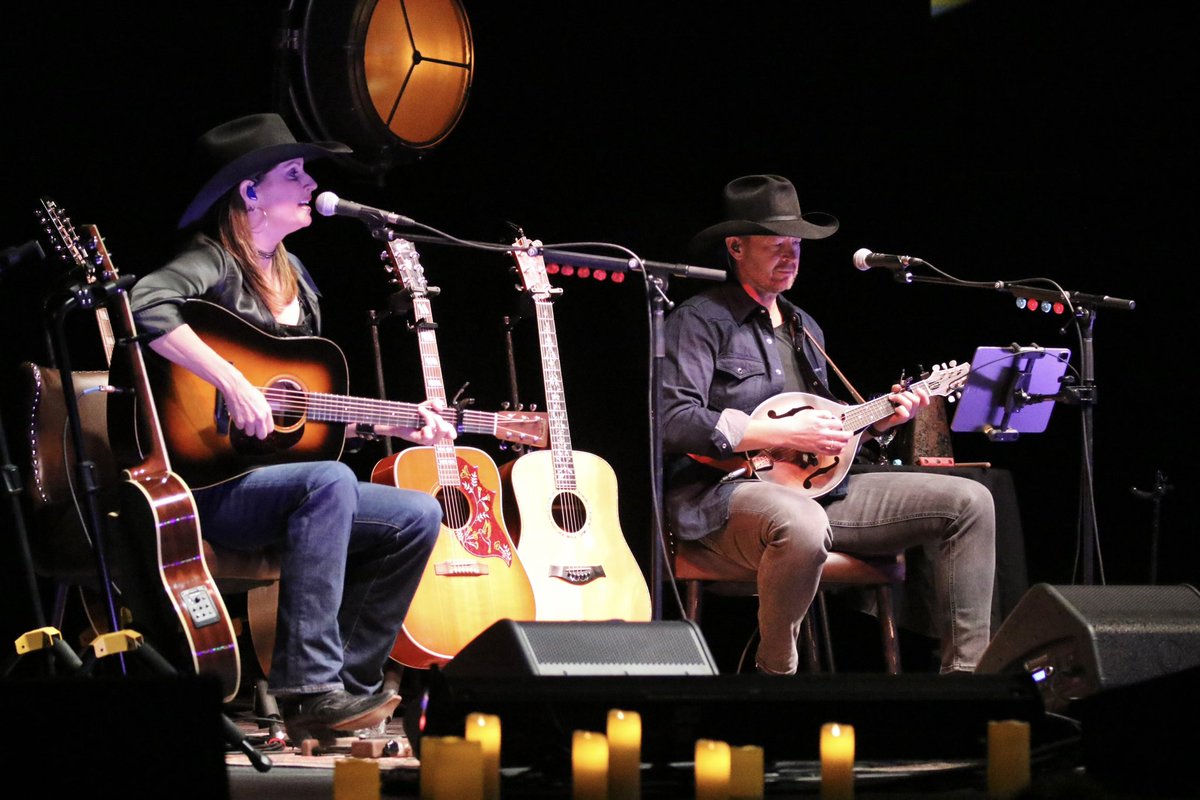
[
  {"x": 351, "y": 556},
  {"x": 785, "y": 536}
]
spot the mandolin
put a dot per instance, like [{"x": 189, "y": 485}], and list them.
[
  {"x": 474, "y": 577},
  {"x": 569, "y": 532},
  {"x": 815, "y": 474}
]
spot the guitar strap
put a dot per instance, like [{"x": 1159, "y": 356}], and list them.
[{"x": 795, "y": 323}]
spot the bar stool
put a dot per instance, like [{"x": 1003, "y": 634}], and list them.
[{"x": 700, "y": 570}]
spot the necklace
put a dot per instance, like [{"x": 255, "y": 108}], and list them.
[{"x": 266, "y": 256}]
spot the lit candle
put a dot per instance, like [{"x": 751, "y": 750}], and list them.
[
  {"x": 429, "y": 764},
  {"x": 458, "y": 774},
  {"x": 589, "y": 766},
  {"x": 624, "y": 755},
  {"x": 746, "y": 773},
  {"x": 837, "y": 761},
  {"x": 1008, "y": 758},
  {"x": 356, "y": 779},
  {"x": 712, "y": 770},
  {"x": 485, "y": 729}
]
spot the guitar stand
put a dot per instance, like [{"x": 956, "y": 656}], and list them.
[{"x": 122, "y": 643}]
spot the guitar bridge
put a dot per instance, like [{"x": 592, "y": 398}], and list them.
[
  {"x": 200, "y": 606},
  {"x": 577, "y": 576},
  {"x": 460, "y": 568}
]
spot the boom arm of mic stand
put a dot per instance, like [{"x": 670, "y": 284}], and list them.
[{"x": 1016, "y": 290}]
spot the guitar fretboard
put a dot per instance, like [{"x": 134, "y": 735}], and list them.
[
  {"x": 435, "y": 387},
  {"x": 556, "y": 406}
]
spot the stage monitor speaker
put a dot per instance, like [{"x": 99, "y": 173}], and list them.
[
  {"x": 509, "y": 648},
  {"x": 1078, "y": 640}
]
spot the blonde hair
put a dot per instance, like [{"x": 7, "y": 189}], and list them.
[{"x": 276, "y": 287}]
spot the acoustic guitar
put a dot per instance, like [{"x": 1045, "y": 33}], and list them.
[
  {"x": 815, "y": 474},
  {"x": 570, "y": 537},
  {"x": 474, "y": 577},
  {"x": 63, "y": 539},
  {"x": 304, "y": 379},
  {"x": 159, "y": 522}
]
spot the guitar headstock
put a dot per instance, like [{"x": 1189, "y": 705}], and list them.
[
  {"x": 946, "y": 379},
  {"x": 63, "y": 238},
  {"x": 528, "y": 428},
  {"x": 404, "y": 265},
  {"x": 532, "y": 268},
  {"x": 95, "y": 245}
]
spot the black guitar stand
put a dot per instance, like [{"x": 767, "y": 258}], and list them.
[{"x": 120, "y": 644}]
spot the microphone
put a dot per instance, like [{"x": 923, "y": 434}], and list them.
[
  {"x": 864, "y": 260},
  {"x": 329, "y": 205}
]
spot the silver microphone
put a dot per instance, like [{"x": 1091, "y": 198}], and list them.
[
  {"x": 329, "y": 204},
  {"x": 864, "y": 260}
]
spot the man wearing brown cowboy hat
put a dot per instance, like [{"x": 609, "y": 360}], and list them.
[
  {"x": 733, "y": 347},
  {"x": 351, "y": 553}
]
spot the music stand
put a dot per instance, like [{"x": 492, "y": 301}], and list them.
[{"x": 1011, "y": 390}]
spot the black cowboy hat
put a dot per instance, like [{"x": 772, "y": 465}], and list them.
[
  {"x": 764, "y": 205},
  {"x": 240, "y": 148}
]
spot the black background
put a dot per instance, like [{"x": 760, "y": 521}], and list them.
[{"x": 1002, "y": 140}]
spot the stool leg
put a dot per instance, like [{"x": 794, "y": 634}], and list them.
[
  {"x": 826, "y": 636},
  {"x": 887, "y": 629},
  {"x": 808, "y": 642},
  {"x": 692, "y": 601}
]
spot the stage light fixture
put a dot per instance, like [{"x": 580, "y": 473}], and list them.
[{"x": 390, "y": 78}]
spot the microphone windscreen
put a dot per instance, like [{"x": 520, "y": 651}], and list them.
[
  {"x": 860, "y": 257},
  {"x": 327, "y": 204}
]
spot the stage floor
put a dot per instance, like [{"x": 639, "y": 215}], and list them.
[{"x": 1057, "y": 772}]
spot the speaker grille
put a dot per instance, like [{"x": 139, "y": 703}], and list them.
[
  {"x": 617, "y": 648},
  {"x": 510, "y": 648}
]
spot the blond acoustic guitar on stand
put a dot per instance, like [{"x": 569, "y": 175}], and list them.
[
  {"x": 474, "y": 577},
  {"x": 570, "y": 537}
]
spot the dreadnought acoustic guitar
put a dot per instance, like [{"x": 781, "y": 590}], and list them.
[
  {"x": 474, "y": 577},
  {"x": 304, "y": 379},
  {"x": 158, "y": 517},
  {"x": 570, "y": 537},
  {"x": 815, "y": 474}
]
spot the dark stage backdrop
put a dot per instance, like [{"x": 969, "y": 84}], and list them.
[{"x": 1004, "y": 140}]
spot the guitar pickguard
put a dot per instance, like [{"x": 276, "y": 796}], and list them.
[{"x": 481, "y": 536}]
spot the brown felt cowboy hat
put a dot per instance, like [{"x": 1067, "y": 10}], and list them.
[
  {"x": 764, "y": 205},
  {"x": 241, "y": 148}
]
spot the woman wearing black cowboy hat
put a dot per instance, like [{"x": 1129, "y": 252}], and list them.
[
  {"x": 352, "y": 553},
  {"x": 736, "y": 345}
]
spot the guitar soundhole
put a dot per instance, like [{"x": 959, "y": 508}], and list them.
[
  {"x": 569, "y": 512},
  {"x": 287, "y": 403},
  {"x": 456, "y": 508}
]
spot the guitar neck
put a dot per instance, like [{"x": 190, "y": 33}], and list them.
[
  {"x": 322, "y": 407},
  {"x": 435, "y": 386},
  {"x": 151, "y": 442},
  {"x": 556, "y": 406},
  {"x": 107, "y": 338}
]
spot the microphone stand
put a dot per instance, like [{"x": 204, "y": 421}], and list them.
[{"x": 1083, "y": 394}]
